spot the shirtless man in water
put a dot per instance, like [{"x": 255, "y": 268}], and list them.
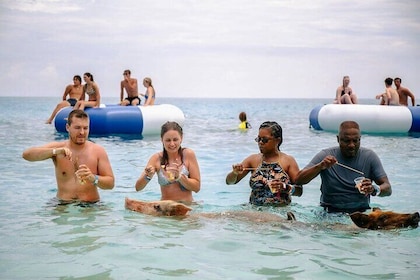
[
  {"x": 390, "y": 96},
  {"x": 81, "y": 166},
  {"x": 75, "y": 93},
  {"x": 130, "y": 86},
  {"x": 404, "y": 93}
]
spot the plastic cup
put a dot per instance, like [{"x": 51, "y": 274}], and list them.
[
  {"x": 270, "y": 184},
  {"x": 172, "y": 172},
  {"x": 358, "y": 184}
]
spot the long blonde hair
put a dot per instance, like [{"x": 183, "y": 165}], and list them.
[{"x": 148, "y": 80}]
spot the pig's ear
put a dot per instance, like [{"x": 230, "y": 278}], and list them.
[
  {"x": 360, "y": 219},
  {"x": 181, "y": 210}
]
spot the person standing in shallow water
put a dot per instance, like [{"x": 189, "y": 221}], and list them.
[
  {"x": 344, "y": 93},
  {"x": 273, "y": 172},
  {"x": 177, "y": 168},
  {"x": 75, "y": 93},
  {"x": 81, "y": 166},
  {"x": 338, "y": 190}
]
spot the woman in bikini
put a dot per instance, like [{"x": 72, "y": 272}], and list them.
[
  {"x": 150, "y": 92},
  {"x": 272, "y": 171},
  {"x": 90, "y": 89},
  {"x": 344, "y": 93},
  {"x": 177, "y": 168}
]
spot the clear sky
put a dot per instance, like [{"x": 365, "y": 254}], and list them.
[{"x": 210, "y": 48}]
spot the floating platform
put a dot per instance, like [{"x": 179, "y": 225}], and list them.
[{"x": 116, "y": 119}]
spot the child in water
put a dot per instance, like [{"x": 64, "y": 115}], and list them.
[{"x": 244, "y": 123}]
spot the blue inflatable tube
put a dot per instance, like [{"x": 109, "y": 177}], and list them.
[
  {"x": 371, "y": 118},
  {"x": 115, "y": 119}
]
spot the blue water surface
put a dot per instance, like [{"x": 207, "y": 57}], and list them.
[{"x": 41, "y": 240}]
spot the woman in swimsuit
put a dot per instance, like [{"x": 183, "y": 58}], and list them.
[
  {"x": 344, "y": 93},
  {"x": 272, "y": 171},
  {"x": 150, "y": 92},
  {"x": 186, "y": 179},
  {"x": 90, "y": 89},
  {"x": 75, "y": 93}
]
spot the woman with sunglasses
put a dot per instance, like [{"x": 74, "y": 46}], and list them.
[{"x": 272, "y": 171}]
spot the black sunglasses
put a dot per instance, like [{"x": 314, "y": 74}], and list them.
[{"x": 262, "y": 139}]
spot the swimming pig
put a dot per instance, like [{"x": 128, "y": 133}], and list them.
[
  {"x": 173, "y": 208},
  {"x": 379, "y": 219},
  {"x": 157, "y": 208}
]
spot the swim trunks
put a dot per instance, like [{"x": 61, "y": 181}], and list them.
[
  {"x": 130, "y": 99},
  {"x": 261, "y": 193},
  {"x": 72, "y": 101}
]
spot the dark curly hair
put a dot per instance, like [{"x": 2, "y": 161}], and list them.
[{"x": 276, "y": 130}]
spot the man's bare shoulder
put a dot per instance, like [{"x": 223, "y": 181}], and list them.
[{"x": 93, "y": 147}]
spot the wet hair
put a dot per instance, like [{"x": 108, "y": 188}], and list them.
[
  {"x": 349, "y": 124},
  {"x": 398, "y": 79},
  {"x": 148, "y": 80},
  {"x": 388, "y": 81},
  {"x": 242, "y": 116},
  {"x": 276, "y": 130},
  {"x": 89, "y": 75},
  {"x": 165, "y": 128},
  {"x": 127, "y": 71},
  {"x": 80, "y": 114},
  {"x": 77, "y": 77}
]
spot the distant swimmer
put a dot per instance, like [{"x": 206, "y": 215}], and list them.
[{"x": 244, "y": 123}]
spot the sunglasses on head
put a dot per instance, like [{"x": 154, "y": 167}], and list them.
[{"x": 264, "y": 140}]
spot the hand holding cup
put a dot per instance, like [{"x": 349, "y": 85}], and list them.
[
  {"x": 172, "y": 172},
  {"x": 359, "y": 183}
]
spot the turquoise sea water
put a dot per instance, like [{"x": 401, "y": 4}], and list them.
[{"x": 42, "y": 241}]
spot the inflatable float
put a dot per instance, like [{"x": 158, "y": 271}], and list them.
[
  {"x": 115, "y": 119},
  {"x": 371, "y": 118}
]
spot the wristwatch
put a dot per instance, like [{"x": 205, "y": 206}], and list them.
[
  {"x": 96, "y": 181},
  {"x": 376, "y": 190}
]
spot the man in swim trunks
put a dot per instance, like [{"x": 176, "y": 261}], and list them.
[
  {"x": 75, "y": 93},
  {"x": 130, "y": 86},
  {"x": 81, "y": 166},
  {"x": 338, "y": 191},
  {"x": 404, "y": 93}
]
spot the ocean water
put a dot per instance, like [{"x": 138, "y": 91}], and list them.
[{"x": 43, "y": 241}]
